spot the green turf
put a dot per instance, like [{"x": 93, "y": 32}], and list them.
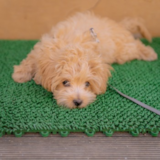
[{"x": 28, "y": 107}]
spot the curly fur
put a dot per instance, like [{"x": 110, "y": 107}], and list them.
[{"x": 69, "y": 52}]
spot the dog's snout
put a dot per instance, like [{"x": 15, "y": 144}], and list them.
[{"x": 77, "y": 102}]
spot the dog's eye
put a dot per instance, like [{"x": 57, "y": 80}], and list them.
[
  {"x": 87, "y": 84},
  {"x": 66, "y": 83}
]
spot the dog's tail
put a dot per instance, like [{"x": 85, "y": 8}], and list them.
[{"x": 136, "y": 27}]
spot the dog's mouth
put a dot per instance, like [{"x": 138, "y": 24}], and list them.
[
  {"x": 76, "y": 103},
  {"x": 70, "y": 98}
]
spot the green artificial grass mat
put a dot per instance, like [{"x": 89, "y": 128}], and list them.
[{"x": 29, "y": 107}]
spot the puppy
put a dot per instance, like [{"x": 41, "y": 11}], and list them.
[{"x": 74, "y": 60}]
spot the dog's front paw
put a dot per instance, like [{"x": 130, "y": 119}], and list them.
[{"x": 20, "y": 75}]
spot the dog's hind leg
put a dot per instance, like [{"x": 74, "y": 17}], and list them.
[
  {"x": 26, "y": 70},
  {"x": 146, "y": 52},
  {"x": 135, "y": 50}
]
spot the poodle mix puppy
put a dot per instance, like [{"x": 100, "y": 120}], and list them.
[{"x": 74, "y": 60}]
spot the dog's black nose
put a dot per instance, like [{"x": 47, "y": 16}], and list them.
[{"x": 77, "y": 102}]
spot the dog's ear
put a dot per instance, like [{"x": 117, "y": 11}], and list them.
[
  {"x": 100, "y": 74},
  {"x": 49, "y": 72}
]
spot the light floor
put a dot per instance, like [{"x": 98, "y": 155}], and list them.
[{"x": 121, "y": 146}]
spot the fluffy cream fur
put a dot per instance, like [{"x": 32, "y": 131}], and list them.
[{"x": 70, "y": 62}]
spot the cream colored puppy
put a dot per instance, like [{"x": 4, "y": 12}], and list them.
[{"x": 74, "y": 60}]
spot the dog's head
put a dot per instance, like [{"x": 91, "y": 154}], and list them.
[{"x": 75, "y": 76}]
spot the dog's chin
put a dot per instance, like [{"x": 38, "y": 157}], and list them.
[{"x": 67, "y": 98}]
